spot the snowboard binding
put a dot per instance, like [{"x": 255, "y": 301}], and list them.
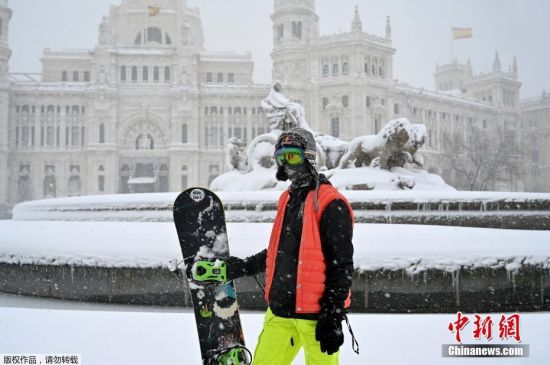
[
  {"x": 236, "y": 355},
  {"x": 209, "y": 271}
]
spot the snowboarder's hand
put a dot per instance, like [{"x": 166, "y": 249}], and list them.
[
  {"x": 206, "y": 270},
  {"x": 329, "y": 330}
]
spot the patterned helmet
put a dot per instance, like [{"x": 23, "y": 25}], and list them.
[{"x": 299, "y": 137}]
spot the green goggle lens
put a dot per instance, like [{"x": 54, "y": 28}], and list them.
[{"x": 292, "y": 155}]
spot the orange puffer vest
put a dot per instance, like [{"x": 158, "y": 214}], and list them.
[{"x": 310, "y": 279}]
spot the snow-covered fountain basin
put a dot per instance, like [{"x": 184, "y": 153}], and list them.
[
  {"x": 451, "y": 208},
  {"x": 399, "y": 268}
]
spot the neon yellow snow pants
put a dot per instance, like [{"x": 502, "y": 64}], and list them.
[{"x": 282, "y": 338}]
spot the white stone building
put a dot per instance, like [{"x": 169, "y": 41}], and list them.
[{"x": 149, "y": 109}]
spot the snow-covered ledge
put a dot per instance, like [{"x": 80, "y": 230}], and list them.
[{"x": 451, "y": 207}]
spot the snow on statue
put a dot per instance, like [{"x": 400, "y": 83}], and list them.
[{"x": 385, "y": 161}]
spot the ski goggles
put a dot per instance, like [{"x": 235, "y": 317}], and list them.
[{"x": 291, "y": 155}]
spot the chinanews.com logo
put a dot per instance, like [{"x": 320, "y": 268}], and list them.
[{"x": 508, "y": 327}]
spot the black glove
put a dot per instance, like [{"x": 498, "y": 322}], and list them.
[
  {"x": 329, "y": 329},
  {"x": 236, "y": 268}
]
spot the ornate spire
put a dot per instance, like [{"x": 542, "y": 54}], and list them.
[
  {"x": 356, "y": 25},
  {"x": 515, "y": 66},
  {"x": 496, "y": 63},
  {"x": 469, "y": 66},
  {"x": 388, "y": 27}
]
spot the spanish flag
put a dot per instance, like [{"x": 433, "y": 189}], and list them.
[
  {"x": 461, "y": 33},
  {"x": 153, "y": 10}
]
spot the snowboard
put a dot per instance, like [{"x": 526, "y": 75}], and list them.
[{"x": 200, "y": 223}]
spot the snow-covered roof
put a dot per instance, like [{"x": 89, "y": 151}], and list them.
[
  {"x": 209, "y": 56},
  {"x": 146, "y": 51},
  {"x": 402, "y": 87},
  {"x": 80, "y": 54},
  {"x": 351, "y": 36},
  {"x": 20, "y": 78}
]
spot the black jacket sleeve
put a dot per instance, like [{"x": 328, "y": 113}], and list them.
[
  {"x": 336, "y": 229},
  {"x": 252, "y": 265}
]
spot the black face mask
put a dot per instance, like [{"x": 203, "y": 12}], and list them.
[
  {"x": 293, "y": 173},
  {"x": 298, "y": 175}
]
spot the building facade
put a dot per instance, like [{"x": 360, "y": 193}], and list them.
[{"x": 150, "y": 110}]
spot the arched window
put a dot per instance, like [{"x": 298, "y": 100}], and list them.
[
  {"x": 297, "y": 30},
  {"x": 345, "y": 101},
  {"x": 101, "y": 182},
  {"x": 87, "y": 76},
  {"x": 213, "y": 136},
  {"x": 167, "y": 73},
  {"x": 156, "y": 74},
  {"x": 345, "y": 68},
  {"x": 237, "y": 132},
  {"x": 154, "y": 35},
  {"x": 280, "y": 31},
  {"x": 335, "y": 69},
  {"x": 75, "y": 184},
  {"x": 184, "y": 133},
  {"x": 231, "y": 77},
  {"x": 75, "y": 76},
  {"x": 134, "y": 73},
  {"x": 102, "y": 133},
  {"x": 220, "y": 77},
  {"x": 123, "y": 73},
  {"x": 137, "y": 41},
  {"x": 145, "y": 142},
  {"x": 325, "y": 102},
  {"x": 64, "y": 76},
  {"x": 222, "y": 137},
  {"x": 325, "y": 70},
  {"x": 50, "y": 136},
  {"x": 49, "y": 183},
  {"x": 145, "y": 75},
  {"x": 209, "y": 77}
]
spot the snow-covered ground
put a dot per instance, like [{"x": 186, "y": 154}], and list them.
[
  {"x": 148, "y": 244},
  {"x": 130, "y": 335}
]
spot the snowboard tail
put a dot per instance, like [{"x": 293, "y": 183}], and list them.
[{"x": 200, "y": 224}]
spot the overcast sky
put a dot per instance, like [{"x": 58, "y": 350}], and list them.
[{"x": 421, "y": 32}]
